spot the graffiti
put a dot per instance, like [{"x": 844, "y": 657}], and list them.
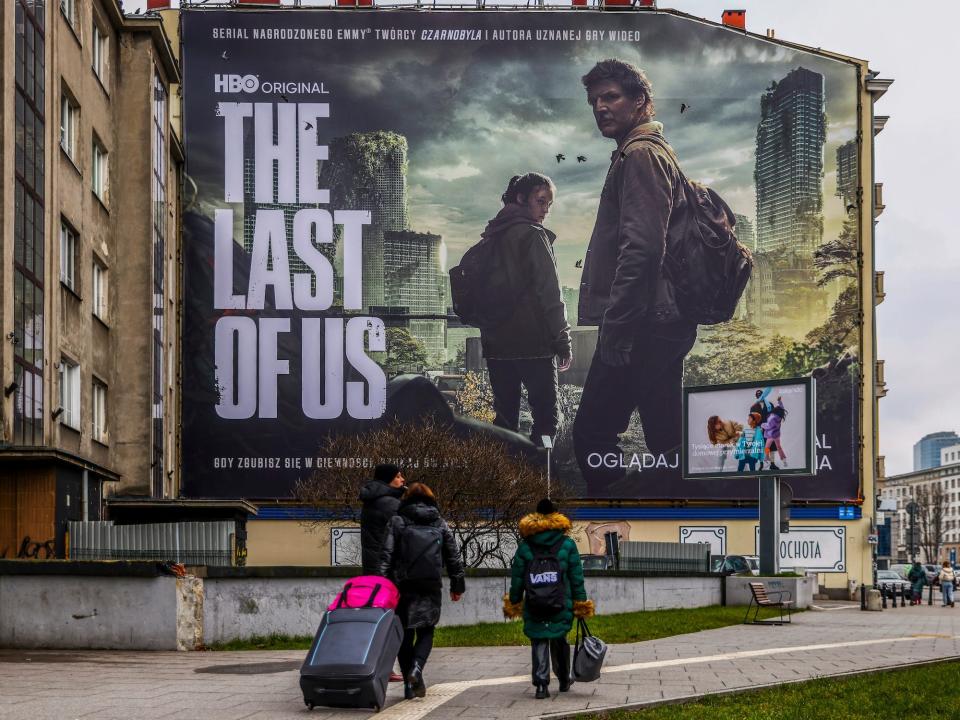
[{"x": 30, "y": 550}]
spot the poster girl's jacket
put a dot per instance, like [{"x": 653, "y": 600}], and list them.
[{"x": 538, "y": 326}]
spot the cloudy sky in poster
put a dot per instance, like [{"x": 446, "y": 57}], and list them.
[{"x": 474, "y": 114}]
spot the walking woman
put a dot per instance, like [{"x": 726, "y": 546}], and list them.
[
  {"x": 947, "y": 579},
  {"x": 547, "y": 589},
  {"x": 416, "y": 548},
  {"x": 533, "y": 343}
]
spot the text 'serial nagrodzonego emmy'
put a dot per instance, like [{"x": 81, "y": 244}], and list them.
[{"x": 344, "y": 162}]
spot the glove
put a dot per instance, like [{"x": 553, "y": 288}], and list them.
[
  {"x": 511, "y": 610},
  {"x": 583, "y": 608}
]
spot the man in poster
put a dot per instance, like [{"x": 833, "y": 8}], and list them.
[{"x": 638, "y": 364}]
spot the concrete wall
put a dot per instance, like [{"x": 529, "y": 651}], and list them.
[
  {"x": 801, "y": 589},
  {"x": 246, "y": 607},
  {"x": 63, "y": 611},
  {"x": 87, "y": 610}
]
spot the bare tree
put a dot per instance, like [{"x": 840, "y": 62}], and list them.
[
  {"x": 482, "y": 487},
  {"x": 931, "y": 519}
]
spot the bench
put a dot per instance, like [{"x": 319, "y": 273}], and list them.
[{"x": 760, "y": 597}]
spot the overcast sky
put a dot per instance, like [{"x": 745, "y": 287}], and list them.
[{"x": 917, "y": 333}]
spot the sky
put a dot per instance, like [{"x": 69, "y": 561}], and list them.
[{"x": 915, "y": 333}]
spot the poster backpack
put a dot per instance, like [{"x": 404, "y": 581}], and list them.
[{"x": 708, "y": 267}]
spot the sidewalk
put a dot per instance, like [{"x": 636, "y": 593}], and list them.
[{"x": 474, "y": 683}]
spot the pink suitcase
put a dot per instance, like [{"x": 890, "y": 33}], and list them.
[{"x": 367, "y": 591}]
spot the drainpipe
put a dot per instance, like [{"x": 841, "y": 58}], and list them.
[{"x": 86, "y": 495}]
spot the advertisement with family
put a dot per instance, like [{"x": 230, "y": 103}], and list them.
[
  {"x": 489, "y": 216},
  {"x": 744, "y": 430}
]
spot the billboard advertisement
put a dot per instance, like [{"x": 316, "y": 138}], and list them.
[
  {"x": 741, "y": 430},
  {"x": 345, "y": 161}
]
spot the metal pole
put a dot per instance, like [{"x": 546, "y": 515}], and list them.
[
  {"x": 769, "y": 506},
  {"x": 548, "y": 472}
]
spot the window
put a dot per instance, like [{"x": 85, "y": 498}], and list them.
[
  {"x": 69, "y": 10},
  {"x": 100, "y": 179},
  {"x": 70, "y": 393},
  {"x": 100, "y": 53},
  {"x": 69, "y": 122},
  {"x": 99, "y": 288},
  {"x": 99, "y": 411},
  {"x": 68, "y": 255}
]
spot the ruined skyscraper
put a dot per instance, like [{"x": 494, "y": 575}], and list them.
[{"x": 789, "y": 164}]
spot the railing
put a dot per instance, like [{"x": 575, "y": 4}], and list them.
[
  {"x": 664, "y": 557},
  {"x": 190, "y": 543}
]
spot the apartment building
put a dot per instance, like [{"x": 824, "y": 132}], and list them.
[{"x": 89, "y": 266}]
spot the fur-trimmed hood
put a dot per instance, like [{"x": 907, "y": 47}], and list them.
[{"x": 535, "y": 523}]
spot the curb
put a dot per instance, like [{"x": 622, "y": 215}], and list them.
[{"x": 607, "y": 710}]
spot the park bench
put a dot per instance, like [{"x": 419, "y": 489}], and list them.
[{"x": 760, "y": 597}]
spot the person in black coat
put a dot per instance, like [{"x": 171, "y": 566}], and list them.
[
  {"x": 416, "y": 548},
  {"x": 381, "y": 498}
]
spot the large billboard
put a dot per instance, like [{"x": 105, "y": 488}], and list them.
[{"x": 344, "y": 162}]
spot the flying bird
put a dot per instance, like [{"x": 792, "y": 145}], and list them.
[
  {"x": 579, "y": 263},
  {"x": 560, "y": 156},
  {"x": 224, "y": 55},
  {"x": 307, "y": 126},
  {"x": 581, "y": 158},
  {"x": 284, "y": 97},
  {"x": 683, "y": 108}
]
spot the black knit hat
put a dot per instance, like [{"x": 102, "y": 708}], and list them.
[
  {"x": 385, "y": 473},
  {"x": 546, "y": 506}
]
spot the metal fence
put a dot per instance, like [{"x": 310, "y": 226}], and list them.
[
  {"x": 664, "y": 556},
  {"x": 190, "y": 543}
]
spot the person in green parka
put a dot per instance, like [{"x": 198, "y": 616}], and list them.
[
  {"x": 547, "y": 563},
  {"x": 918, "y": 578}
]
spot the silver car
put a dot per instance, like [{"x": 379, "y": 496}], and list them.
[{"x": 888, "y": 580}]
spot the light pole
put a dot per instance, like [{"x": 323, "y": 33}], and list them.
[{"x": 547, "y": 442}]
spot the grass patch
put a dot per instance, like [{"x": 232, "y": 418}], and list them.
[
  {"x": 621, "y": 628},
  {"x": 911, "y": 692}
]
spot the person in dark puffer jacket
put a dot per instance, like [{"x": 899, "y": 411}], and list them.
[
  {"x": 380, "y": 498},
  {"x": 410, "y": 549},
  {"x": 548, "y": 635}
]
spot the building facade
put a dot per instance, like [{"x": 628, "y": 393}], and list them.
[
  {"x": 926, "y": 451},
  {"x": 89, "y": 266},
  {"x": 936, "y": 492}
]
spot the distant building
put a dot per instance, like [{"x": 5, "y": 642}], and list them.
[
  {"x": 789, "y": 164},
  {"x": 848, "y": 172},
  {"x": 367, "y": 171},
  {"x": 414, "y": 277},
  {"x": 745, "y": 231},
  {"x": 926, "y": 452}
]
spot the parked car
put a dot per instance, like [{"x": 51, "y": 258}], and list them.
[
  {"x": 595, "y": 562},
  {"x": 754, "y": 562},
  {"x": 890, "y": 580},
  {"x": 730, "y": 564},
  {"x": 901, "y": 569},
  {"x": 933, "y": 573}
]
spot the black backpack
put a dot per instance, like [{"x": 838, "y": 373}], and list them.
[
  {"x": 421, "y": 553},
  {"x": 543, "y": 583},
  {"x": 708, "y": 268},
  {"x": 480, "y": 286}
]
